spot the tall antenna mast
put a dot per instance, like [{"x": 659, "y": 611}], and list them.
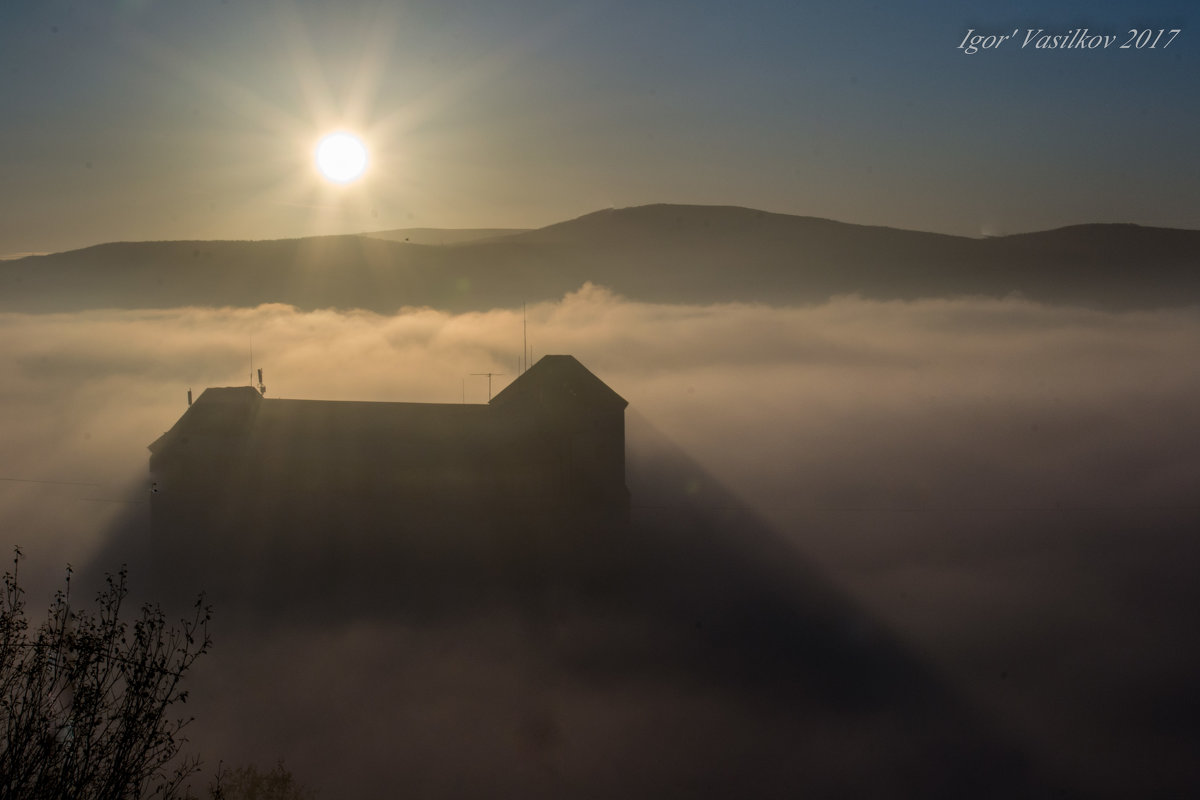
[
  {"x": 524, "y": 337},
  {"x": 251, "y": 360}
]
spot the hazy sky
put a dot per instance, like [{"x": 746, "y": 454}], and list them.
[{"x": 143, "y": 119}]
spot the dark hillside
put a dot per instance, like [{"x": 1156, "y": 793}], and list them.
[{"x": 664, "y": 253}]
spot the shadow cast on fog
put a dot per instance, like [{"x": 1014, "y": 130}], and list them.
[{"x": 692, "y": 595}]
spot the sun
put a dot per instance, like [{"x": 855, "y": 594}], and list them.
[{"x": 341, "y": 157}]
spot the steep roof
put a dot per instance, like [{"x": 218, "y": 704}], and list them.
[
  {"x": 556, "y": 382},
  {"x": 558, "y": 386},
  {"x": 218, "y": 411}
]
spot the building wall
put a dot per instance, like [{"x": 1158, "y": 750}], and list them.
[{"x": 255, "y": 465}]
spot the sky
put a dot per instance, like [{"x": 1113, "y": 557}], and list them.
[{"x": 143, "y": 119}]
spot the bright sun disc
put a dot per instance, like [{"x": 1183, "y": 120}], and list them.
[{"x": 341, "y": 157}]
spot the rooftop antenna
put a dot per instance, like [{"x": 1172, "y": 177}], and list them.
[{"x": 489, "y": 377}]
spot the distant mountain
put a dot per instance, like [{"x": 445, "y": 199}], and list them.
[
  {"x": 660, "y": 253},
  {"x": 440, "y": 236}
]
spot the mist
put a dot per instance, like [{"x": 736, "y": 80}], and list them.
[{"x": 1007, "y": 487}]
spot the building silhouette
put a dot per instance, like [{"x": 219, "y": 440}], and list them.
[{"x": 268, "y": 478}]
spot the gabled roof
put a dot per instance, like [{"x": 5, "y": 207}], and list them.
[
  {"x": 559, "y": 381},
  {"x": 219, "y": 410},
  {"x": 557, "y": 387},
  {"x": 229, "y": 394}
]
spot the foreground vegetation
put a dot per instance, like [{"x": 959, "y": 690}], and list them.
[{"x": 88, "y": 702}]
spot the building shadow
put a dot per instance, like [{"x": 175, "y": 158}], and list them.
[{"x": 671, "y": 644}]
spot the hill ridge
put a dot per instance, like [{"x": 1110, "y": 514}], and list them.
[{"x": 655, "y": 253}]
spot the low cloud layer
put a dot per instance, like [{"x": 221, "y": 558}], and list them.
[{"x": 1007, "y": 485}]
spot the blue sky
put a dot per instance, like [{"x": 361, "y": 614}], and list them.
[{"x": 152, "y": 120}]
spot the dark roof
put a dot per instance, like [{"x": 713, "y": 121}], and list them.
[
  {"x": 218, "y": 411},
  {"x": 559, "y": 380},
  {"x": 230, "y": 394},
  {"x": 554, "y": 385}
]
